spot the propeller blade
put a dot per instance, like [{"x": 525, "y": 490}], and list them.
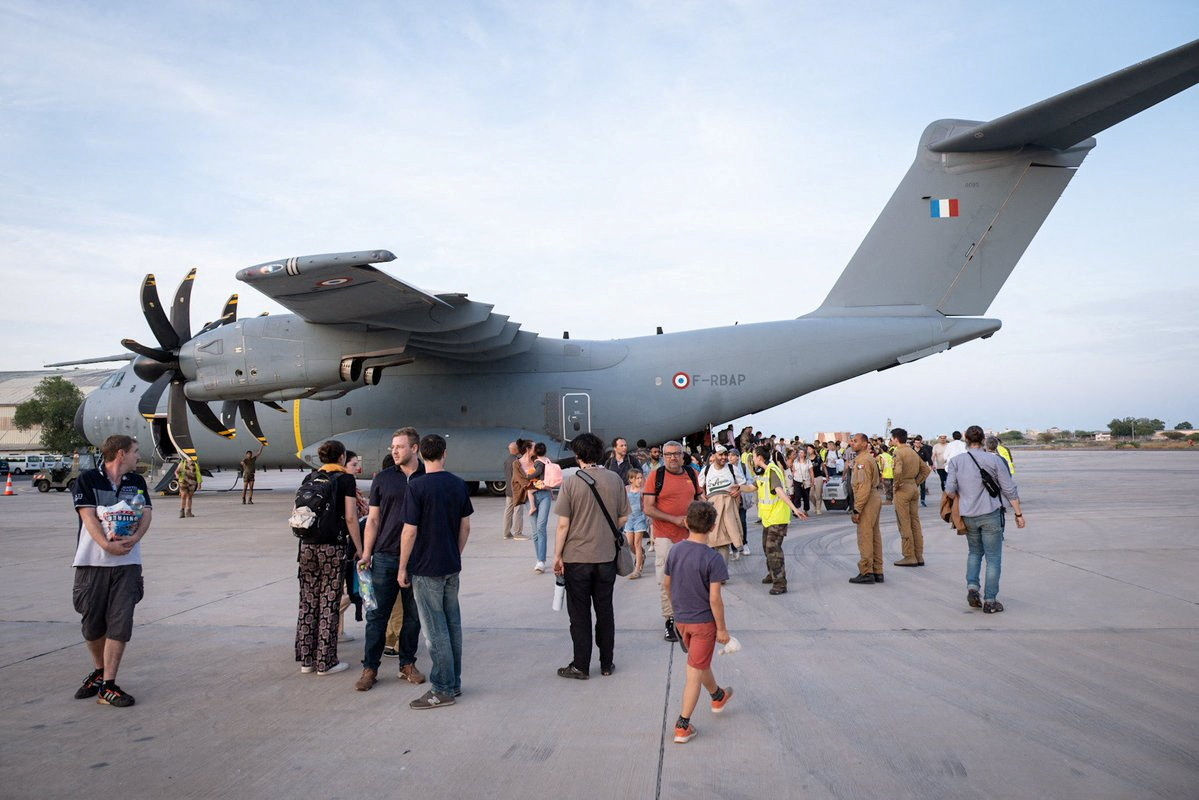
[
  {"x": 210, "y": 421},
  {"x": 177, "y": 425},
  {"x": 274, "y": 405},
  {"x": 156, "y": 318},
  {"x": 148, "y": 352},
  {"x": 229, "y": 414},
  {"x": 250, "y": 417},
  {"x": 228, "y": 315},
  {"x": 181, "y": 308},
  {"x": 147, "y": 406},
  {"x": 229, "y": 312}
]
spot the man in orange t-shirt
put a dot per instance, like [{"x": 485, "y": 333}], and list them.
[{"x": 668, "y": 509}]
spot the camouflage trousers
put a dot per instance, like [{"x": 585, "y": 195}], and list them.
[{"x": 772, "y": 546}]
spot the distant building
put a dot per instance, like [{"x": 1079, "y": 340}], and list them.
[
  {"x": 1103, "y": 437},
  {"x": 17, "y": 387},
  {"x": 832, "y": 436}
]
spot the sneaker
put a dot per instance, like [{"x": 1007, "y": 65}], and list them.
[
  {"x": 718, "y": 705},
  {"x": 520, "y": 537},
  {"x": 778, "y": 590},
  {"x": 91, "y": 685},
  {"x": 992, "y": 607},
  {"x": 369, "y": 678},
  {"x": 972, "y": 598},
  {"x": 307, "y": 669},
  {"x": 112, "y": 695},
  {"x": 684, "y": 735},
  {"x": 340, "y": 666},
  {"x": 672, "y": 635},
  {"x": 432, "y": 699},
  {"x": 391, "y": 652},
  {"x": 744, "y": 549},
  {"x": 410, "y": 673},
  {"x": 539, "y": 567}
]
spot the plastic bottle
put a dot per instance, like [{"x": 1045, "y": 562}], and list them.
[
  {"x": 138, "y": 503},
  {"x": 559, "y": 592}
]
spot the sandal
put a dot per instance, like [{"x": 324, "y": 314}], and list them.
[{"x": 635, "y": 575}]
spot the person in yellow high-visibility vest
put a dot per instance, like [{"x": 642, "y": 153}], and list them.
[
  {"x": 774, "y": 510},
  {"x": 886, "y": 468}
]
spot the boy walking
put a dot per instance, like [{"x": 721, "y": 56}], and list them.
[{"x": 694, "y": 575}]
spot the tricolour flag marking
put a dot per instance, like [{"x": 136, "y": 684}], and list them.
[{"x": 943, "y": 207}]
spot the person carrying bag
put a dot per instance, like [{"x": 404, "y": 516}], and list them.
[{"x": 588, "y": 554}]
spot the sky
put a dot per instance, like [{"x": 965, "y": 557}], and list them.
[{"x": 602, "y": 168}]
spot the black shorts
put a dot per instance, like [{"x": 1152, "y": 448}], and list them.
[{"x": 105, "y": 597}]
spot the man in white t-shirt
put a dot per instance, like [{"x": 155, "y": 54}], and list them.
[
  {"x": 108, "y": 563},
  {"x": 723, "y": 484},
  {"x": 954, "y": 448}
]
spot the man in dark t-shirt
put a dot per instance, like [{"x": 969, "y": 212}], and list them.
[
  {"x": 381, "y": 554},
  {"x": 436, "y": 518}
]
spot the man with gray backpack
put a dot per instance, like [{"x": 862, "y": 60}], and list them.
[{"x": 979, "y": 480}]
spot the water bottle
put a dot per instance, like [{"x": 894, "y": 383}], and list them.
[
  {"x": 138, "y": 503},
  {"x": 559, "y": 592}
]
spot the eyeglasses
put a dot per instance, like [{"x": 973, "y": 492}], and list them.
[{"x": 673, "y": 455}]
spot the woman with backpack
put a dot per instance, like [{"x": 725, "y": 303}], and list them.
[
  {"x": 544, "y": 476},
  {"x": 330, "y": 494}
]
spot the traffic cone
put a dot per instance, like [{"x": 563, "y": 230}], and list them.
[{"x": 8, "y": 486}]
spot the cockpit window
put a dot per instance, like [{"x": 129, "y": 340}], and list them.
[{"x": 114, "y": 380}]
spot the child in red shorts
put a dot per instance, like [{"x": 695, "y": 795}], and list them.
[{"x": 694, "y": 575}]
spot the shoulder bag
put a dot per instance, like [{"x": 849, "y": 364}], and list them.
[{"x": 624, "y": 557}]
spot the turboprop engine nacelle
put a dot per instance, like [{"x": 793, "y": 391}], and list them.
[{"x": 284, "y": 358}]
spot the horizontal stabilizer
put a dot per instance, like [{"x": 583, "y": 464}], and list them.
[{"x": 1066, "y": 119}]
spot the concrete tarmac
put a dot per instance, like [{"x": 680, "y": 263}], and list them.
[{"x": 1087, "y": 686}]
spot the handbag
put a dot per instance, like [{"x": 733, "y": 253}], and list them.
[{"x": 624, "y": 557}]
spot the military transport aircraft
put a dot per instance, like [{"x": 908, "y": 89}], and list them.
[{"x": 363, "y": 352}]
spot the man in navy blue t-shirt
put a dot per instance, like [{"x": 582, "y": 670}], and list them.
[{"x": 436, "y": 518}]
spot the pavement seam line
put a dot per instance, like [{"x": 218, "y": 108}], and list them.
[{"x": 665, "y": 713}]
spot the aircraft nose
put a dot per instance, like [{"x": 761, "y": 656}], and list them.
[{"x": 79, "y": 418}]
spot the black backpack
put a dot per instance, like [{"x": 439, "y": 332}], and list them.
[
  {"x": 315, "y": 518},
  {"x": 660, "y": 478}
]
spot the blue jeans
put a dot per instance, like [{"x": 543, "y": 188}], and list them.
[
  {"x": 984, "y": 534},
  {"x": 541, "y": 520},
  {"x": 384, "y": 569},
  {"x": 441, "y": 619}
]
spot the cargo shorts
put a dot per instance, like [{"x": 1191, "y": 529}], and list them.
[{"x": 105, "y": 597}]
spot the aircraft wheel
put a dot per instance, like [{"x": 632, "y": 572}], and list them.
[
  {"x": 173, "y": 487},
  {"x": 496, "y": 488},
  {"x": 43, "y": 486}
]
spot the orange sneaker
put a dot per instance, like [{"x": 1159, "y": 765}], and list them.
[
  {"x": 684, "y": 735},
  {"x": 718, "y": 705}
]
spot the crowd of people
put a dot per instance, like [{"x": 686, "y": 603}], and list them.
[{"x": 684, "y": 504}]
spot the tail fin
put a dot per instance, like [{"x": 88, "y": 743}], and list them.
[{"x": 978, "y": 192}]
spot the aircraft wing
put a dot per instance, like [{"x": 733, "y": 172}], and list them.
[{"x": 345, "y": 288}]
